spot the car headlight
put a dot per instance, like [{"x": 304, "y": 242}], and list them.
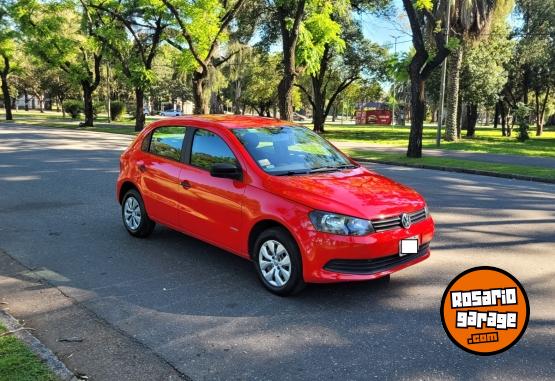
[
  {"x": 427, "y": 211},
  {"x": 340, "y": 224}
]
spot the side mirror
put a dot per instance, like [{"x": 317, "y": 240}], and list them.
[{"x": 226, "y": 171}]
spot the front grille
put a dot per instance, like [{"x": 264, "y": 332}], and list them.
[
  {"x": 372, "y": 266},
  {"x": 395, "y": 222}
]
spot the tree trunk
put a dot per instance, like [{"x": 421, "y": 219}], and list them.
[
  {"x": 61, "y": 99},
  {"x": 6, "y": 88},
  {"x": 454, "y": 63},
  {"x": 7, "y": 98},
  {"x": 504, "y": 118},
  {"x": 460, "y": 118},
  {"x": 26, "y": 99},
  {"x": 540, "y": 112},
  {"x": 285, "y": 87},
  {"x": 237, "y": 98},
  {"x": 418, "y": 108},
  {"x": 201, "y": 104},
  {"x": 472, "y": 110},
  {"x": 318, "y": 105},
  {"x": 139, "y": 109},
  {"x": 496, "y": 116},
  {"x": 88, "y": 104}
]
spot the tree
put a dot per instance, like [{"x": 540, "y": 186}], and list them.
[
  {"x": 305, "y": 27},
  {"x": 202, "y": 28},
  {"x": 536, "y": 50},
  {"x": 260, "y": 81},
  {"x": 7, "y": 48},
  {"x": 470, "y": 19},
  {"x": 343, "y": 62},
  {"x": 57, "y": 34},
  {"x": 111, "y": 22},
  {"x": 484, "y": 72},
  {"x": 421, "y": 15}
]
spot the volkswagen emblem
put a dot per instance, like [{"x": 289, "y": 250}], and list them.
[{"x": 405, "y": 220}]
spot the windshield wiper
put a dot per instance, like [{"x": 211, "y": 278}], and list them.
[
  {"x": 331, "y": 168},
  {"x": 291, "y": 173},
  {"x": 315, "y": 170}
]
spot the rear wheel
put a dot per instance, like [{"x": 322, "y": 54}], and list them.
[
  {"x": 278, "y": 262},
  {"x": 135, "y": 218}
]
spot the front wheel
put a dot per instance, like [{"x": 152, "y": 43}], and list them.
[
  {"x": 278, "y": 262},
  {"x": 135, "y": 218}
]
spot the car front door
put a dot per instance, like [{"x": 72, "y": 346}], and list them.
[
  {"x": 214, "y": 203},
  {"x": 160, "y": 166}
]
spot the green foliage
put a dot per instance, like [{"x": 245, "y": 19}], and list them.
[
  {"x": 318, "y": 30},
  {"x": 117, "y": 110},
  {"x": 54, "y": 33},
  {"x": 522, "y": 113},
  {"x": 203, "y": 20},
  {"x": 73, "y": 107},
  {"x": 423, "y": 5},
  {"x": 98, "y": 107},
  {"x": 484, "y": 68},
  {"x": 261, "y": 78}
]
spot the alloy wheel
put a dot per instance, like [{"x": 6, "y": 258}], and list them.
[
  {"x": 132, "y": 213},
  {"x": 275, "y": 263}
]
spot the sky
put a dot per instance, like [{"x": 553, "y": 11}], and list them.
[{"x": 383, "y": 30}]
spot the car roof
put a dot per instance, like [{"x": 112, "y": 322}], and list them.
[{"x": 227, "y": 121}]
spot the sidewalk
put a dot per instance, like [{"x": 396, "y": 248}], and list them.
[
  {"x": 85, "y": 343},
  {"x": 545, "y": 162}
]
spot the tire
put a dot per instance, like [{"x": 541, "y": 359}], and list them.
[
  {"x": 134, "y": 216},
  {"x": 271, "y": 250}
]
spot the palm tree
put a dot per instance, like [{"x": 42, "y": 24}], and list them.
[{"x": 470, "y": 20}]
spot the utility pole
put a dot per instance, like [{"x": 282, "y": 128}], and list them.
[
  {"x": 443, "y": 78},
  {"x": 108, "y": 92},
  {"x": 394, "y": 84}
]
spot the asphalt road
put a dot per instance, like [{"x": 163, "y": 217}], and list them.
[{"x": 203, "y": 310}]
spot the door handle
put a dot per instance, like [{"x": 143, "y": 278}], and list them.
[
  {"x": 185, "y": 184},
  {"x": 142, "y": 168}
]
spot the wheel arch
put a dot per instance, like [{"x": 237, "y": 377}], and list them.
[
  {"x": 126, "y": 187},
  {"x": 263, "y": 225}
]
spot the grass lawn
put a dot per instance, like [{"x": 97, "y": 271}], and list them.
[
  {"x": 442, "y": 162},
  {"x": 487, "y": 140},
  {"x": 55, "y": 119},
  {"x": 18, "y": 363}
]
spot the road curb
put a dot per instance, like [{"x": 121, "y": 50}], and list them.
[
  {"x": 37, "y": 347},
  {"x": 459, "y": 170}
]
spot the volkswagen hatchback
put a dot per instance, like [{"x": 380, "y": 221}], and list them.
[{"x": 275, "y": 193}]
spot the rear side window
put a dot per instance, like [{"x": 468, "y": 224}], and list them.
[
  {"x": 209, "y": 149},
  {"x": 167, "y": 142}
]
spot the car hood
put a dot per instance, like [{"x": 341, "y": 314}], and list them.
[{"x": 355, "y": 192}]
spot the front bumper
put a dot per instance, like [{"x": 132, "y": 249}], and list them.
[{"x": 331, "y": 258}]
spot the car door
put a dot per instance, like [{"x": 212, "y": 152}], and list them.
[
  {"x": 214, "y": 203},
  {"x": 160, "y": 169}
]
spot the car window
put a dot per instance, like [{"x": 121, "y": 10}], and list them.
[
  {"x": 168, "y": 142},
  {"x": 209, "y": 149},
  {"x": 289, "y": 150}
]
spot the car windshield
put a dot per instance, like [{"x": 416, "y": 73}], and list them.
[{"x": 289, "y": 150}]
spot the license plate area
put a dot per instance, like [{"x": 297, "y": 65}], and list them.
[{"x": 409, "y": 246}]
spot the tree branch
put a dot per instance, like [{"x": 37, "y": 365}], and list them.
[{"x": 308, "y": 95}]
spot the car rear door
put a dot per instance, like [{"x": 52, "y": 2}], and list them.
[
  {"x": 160, "y": 169},
  {"x": 214, "y": 203}
]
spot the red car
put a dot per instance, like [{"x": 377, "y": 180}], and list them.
[{"x": 275, "y": 193}]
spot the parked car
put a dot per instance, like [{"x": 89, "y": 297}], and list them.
[
  {"x": 172, "y": 112},
  {"x": 275, "y": 193}
]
